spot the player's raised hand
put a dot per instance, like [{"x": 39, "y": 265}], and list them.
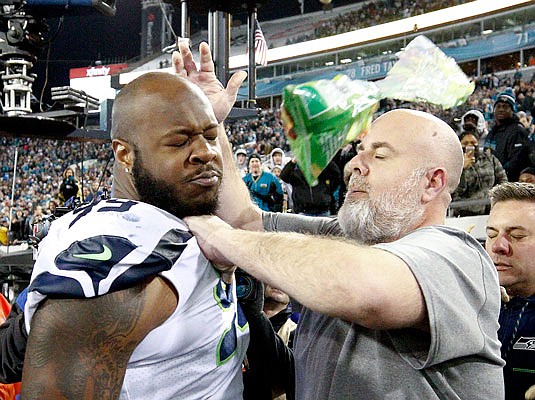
[{"x": 222, "y": 98}]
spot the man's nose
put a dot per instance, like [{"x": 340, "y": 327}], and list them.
[
  {"x": 358, "y": 166},
  {"x": 202, "y": 151},
  {"x": 501, "y": 245}
]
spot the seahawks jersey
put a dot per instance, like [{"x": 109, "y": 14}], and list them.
[{"x": 99, "y": 248}]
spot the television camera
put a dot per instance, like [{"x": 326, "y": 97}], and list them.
[{"x": 23, "y": 29}]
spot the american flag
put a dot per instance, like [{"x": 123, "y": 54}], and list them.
[{"x": 260, "y": 45}]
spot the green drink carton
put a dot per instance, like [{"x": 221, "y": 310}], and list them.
[
  {"x": 326, "y": 114},
  {"x": 321, "y": 116}
]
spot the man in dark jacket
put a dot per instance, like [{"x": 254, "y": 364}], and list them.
[
  {"x": 313, "y": 200},
  {"x": 512, "y": 216},
  {"x": 508, "y": 140}
]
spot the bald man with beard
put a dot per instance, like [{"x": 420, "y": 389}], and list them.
[
  {"x": 122, "y": 303},
  {"x": 401, "y": 307}
]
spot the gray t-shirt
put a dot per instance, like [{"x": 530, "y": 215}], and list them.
[{"x": 458, "y": 359}]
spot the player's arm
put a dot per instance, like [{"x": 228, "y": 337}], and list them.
[{"x": 79, "y": 348}]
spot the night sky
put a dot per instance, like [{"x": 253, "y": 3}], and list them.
[{"x": 84, "y": 39}]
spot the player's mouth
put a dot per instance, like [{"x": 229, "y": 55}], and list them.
[{"x": 206, "y": 179}]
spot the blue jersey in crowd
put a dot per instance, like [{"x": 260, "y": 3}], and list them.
[{"x": 266, "y": 191}]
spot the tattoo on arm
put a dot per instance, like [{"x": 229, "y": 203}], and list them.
[{"x": 79, "y": 348}]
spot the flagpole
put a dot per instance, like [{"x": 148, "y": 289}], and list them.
[
  {"x": 251, "y": 18},
  {"x": 184, "y": 19}
]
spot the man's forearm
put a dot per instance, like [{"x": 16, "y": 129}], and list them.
[{"x": 371, "y": 287}]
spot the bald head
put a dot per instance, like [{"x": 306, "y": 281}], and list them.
[
  {"x": 430, "y": 140},
  {"x": 152, "y": 114},
  {"x": 139, "y": 98}
]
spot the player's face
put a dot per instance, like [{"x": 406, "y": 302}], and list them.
[
  {"x": 511, "y": 245},
  {"x": 177, "y": 164}
]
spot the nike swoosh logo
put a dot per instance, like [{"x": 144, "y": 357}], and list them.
[{"x": 104, "y": 256}]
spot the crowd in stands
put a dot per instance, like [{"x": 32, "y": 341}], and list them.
[
  {"x": 258, "y": 135},
  {"x": 39, "y": 175},
  {"x": 373, "y": 13},
  {"x": 42, "y": 163}
]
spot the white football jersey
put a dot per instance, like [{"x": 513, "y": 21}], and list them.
[{"x": 197, "y": 352}]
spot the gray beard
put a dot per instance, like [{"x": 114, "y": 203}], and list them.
[{"x": 386, "y": 218}]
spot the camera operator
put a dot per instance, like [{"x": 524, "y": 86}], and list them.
[
  {"x": 269, "y": 366},
  {"x": 36, "y": 216},
  {"x": 481, "y": 171},
  {"x": 69, "y": 187}
]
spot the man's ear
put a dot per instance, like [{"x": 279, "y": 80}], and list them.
[
  {"x": 124, "y": 153},
  {"x": 436, "y": 181}
]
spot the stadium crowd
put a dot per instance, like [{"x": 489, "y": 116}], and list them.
[
  {"x": 41, "y": 163},
  {"x": 39, "y": 175},
  {"x": 373, "y": 13}
]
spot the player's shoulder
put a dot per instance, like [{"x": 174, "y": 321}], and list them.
[
  {"x": 119, "y": 211},
  {"x": 139, "y": 223},
  {"x": 115, "y": 243}
]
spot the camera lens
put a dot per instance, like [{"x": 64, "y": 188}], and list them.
[
  {"x": 469, "y": 149},
  {"x": 244, "y": 286}
]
